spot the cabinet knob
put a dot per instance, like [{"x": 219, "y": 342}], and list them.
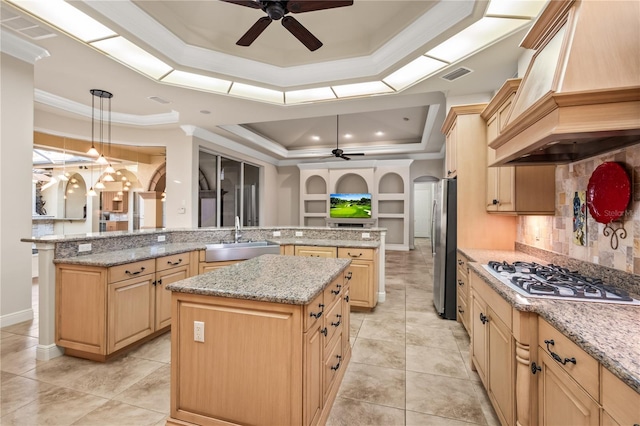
[
  {"x": 460, "y": 282},
  {"x": 495, "y": 202},
  {"x": 535, "y": 368},
  {"x": 483, "y": 318},
  {"x": 460, "y": 311},
  {"x": 324, "y": 331}
]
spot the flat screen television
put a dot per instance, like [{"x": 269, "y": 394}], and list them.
[{"x": 350, "y": 206}]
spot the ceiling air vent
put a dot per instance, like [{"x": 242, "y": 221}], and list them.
[
  {"x": 159, "y": 100},
  {"x": 456, "y": 74},
  {"x": 23, "y": 25}
]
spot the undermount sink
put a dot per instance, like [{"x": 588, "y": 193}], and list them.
[{"x": 239, "y": 251}]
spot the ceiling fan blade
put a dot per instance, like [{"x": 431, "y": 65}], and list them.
[
  {"x": 253, "y": 33},
  {"x": 301, "y": 33},
  {"x": 300, "y": 6},
  {"x": 344, "y": 157},
  {"x": 355, "y": 153},
  {"x": 248, "y": 3}
]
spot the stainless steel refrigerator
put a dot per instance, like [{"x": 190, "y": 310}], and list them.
[{"x": 444, "y": 237}]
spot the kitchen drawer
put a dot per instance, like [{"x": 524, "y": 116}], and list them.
[
  {"x": 333, "y": 321},
  {"x": 462, "y": 282},
  {"x": 619, "y": 400},
  {"x": 171, "y": 261},
  {"x": 356, "y": 253},
  {"x": 462, "y": 264},
  {"x": 463, "y": 312},
  {"x": 500, "y": 306},
  {"x": 332, "y": 363},
  {"x": 584, "y": 370},
  {"x": 316, "y": 251},
  {"x": 313, "y": 311},
  {"x": 332, "y": 291},
  {"x": 130, "y": 270}
]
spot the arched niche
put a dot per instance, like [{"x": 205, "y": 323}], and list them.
[
  {"x": 316, "y": 185},
  {"x": 158, "y": 182},
  {"x": 352, "y": 183},
  {"x": 75, "y": 197},
  {"x": 391, "y": 183}
]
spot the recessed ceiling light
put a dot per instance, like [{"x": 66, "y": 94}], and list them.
[
  {"x": 315, "y": 138},
  {"x": 204, "y": 111},
  {"x": 348, "y": 135},
  {"x": 379, "y": 133}
]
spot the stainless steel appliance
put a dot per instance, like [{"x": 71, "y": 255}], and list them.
[
  {"x": 531, "y": 279},
  {"x": 444, "y": 248}
]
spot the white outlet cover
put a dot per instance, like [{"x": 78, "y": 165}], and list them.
[
  {"x": 84, "y": 247},
  {"x": 198, "y": 331},
  {"x": 366, "y": 235},
  {"x": 162, "y": 238},
  {"x": 276, "y": 233},
  {"x": 298, "y": 233}
]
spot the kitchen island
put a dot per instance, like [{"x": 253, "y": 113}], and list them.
[{"x": 265, "y": 341}]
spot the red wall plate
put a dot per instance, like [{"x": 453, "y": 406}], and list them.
[{"x": 608, "y": 192}]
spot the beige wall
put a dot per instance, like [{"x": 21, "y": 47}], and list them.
[
  {"x": 288, "y": 196},
  {"x": 16, "y": 150},
  {"x": 555, "y": 233}
]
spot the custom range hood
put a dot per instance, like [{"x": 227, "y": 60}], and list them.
[{"x": 580, "y": 95}]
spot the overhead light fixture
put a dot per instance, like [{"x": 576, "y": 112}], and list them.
[
  {"x": 309, "y": 95},
  {"x": 102, "y": 94},
  {"x": 413, "y": 72},
  {"x": 109, "y": 169},
  {"x": 133, "y": 56},
  {"x": 258, "y": 93},
  {"x": 361, "y": 89},
  {"x": 100, "y": 185},
  {"x": 197, "y": 81},
  {"x": 108, "y": 178}
]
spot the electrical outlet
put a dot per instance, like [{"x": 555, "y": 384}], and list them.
[
  {"x": 298, "y": 233},
  {"x": 162, "y": 238},
  {"x": 84, "y": 247},
  {"x": 198, "y": 331},
  {"x": 366, "y": 235},
  {"x": 181, "y": 210},
  {"x": 276, "y": 233}
]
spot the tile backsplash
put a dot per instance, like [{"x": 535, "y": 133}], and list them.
[{"x": 555, "y": 233}]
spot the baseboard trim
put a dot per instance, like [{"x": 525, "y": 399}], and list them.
[
  {"x": 48, "y": 352},
  {"x": 382, "y": 296},
  {"x": 16, "y": 317}
]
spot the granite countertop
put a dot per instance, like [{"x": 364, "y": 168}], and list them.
[
  {"x": 328, "y": 243},
  {"x": 120, "y": 257},
  {"x": 269, "y": 278},
  {"x": 608, "y": 332}
]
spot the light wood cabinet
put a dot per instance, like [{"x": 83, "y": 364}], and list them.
[
  {"x": 476, "y": 228},
  {"x": 260, "y": 362},
  {"x": 120, "y": 225},
  {"x": 112, "y": 202},
  {"x": 316, "y": 251},
  {"x": 620, "y": 403},
  {"x": 523, "y": 189},
  {"x": 102, "y": 311},
  {"x": 462, "y": 280},
  {"x": 364, "y": 276},
  {"x": 451, "y": 155},
  {"x": 493, "y": 348},
  {"x": 287, "y": 249}
]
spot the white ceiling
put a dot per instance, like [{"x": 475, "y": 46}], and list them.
[{"x": 361, "y": 42}]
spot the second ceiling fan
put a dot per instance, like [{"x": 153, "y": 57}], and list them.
[
  {"x": 338, "y": 153},
  {"x": 277, "y": 10}
]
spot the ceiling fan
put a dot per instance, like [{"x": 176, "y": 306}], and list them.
[
  {"x": 338, "y": 153},
  {"x": 276, "y": 10}
]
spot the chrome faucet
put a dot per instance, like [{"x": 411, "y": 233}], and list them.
[{"x": 238, "y": 234}]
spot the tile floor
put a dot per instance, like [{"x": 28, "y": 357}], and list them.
[{"x": 408, "y": 367}]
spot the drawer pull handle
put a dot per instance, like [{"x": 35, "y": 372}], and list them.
[
  {"x": 353, "y": 255},
  {"x": 174, "y": 263},
  {"x": 557, "y": 357},
  {"x": 319, "y": 314},
  {"x": 159, "y": 282},
  {"x": 460, "y": 282},
  {"x": 335, "y": 367},
  {"x": 134, "y": 273},
  {"x": 346, "y": 298},
  {"x": 460, "y": 262},
  {"x": 460, "y": 311},
  {"x": 338, "y": 286},
  {"x": 349, "y": 275},
  {"x": 483, "y": 318},
  {"x": 535, "y": 368},
  {"x": 324, "y": 331},
  {"x": 337, "y": 324}
]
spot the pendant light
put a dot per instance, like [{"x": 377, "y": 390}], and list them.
[
  {"x": 63, "y": 176},
  {"x": 102, "y": 95}
]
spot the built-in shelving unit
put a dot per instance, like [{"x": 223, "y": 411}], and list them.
[{"x": 387, "y": 181}]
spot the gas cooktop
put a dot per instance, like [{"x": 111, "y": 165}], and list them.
[{"x": 531, "y": 279}]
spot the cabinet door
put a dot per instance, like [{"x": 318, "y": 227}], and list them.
[
  {"x": 451, "y": 154},
  {"x": 313, "y": 350},
  {"x": 314, "y": 251},
  {"x": 361, "y": 283},
  {"x": 163, "y": 296},
  {"x": 346, "y": 322},
  {"x": 212, "y": 266},
  {"x": 479, "y": 337},
  {"x": 500, "y": 367},
  {"x": 561, "y": 401},
  {"x": 131, "y": 311}
]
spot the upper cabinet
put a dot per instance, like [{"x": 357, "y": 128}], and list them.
[
  {"x": 112, "y": 202},
  {"x": 510, "y": 189},
  {"x": 580, "y": 95}
]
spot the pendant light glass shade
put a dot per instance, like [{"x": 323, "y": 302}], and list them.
[
  {"x": 109, "y": 169},
  {"x": 100, "y": 185},
  {"x": 108, "y": 178},
  {"x": 93, "y": 151},
  {"x": 102, "y": 160},
  {"x": 92, "y": 193}
]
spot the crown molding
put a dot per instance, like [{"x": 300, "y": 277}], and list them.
[
  {"x": 439, "y": 18},
  {"x": 77, "y": 108},
  {"x": 21, "y": 49}
]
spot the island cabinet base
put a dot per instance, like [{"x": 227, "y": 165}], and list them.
[{"x": 261, "y": 363}]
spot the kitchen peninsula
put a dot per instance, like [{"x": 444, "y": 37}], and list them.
[
  {"x": 265, "y": 341},
  {"x": 123, "y": 266}
]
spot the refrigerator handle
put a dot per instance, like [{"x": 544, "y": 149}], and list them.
[{"x": 433, "y": 228}]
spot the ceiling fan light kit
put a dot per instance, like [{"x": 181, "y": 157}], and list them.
[{"x": 277, "y": 10}]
